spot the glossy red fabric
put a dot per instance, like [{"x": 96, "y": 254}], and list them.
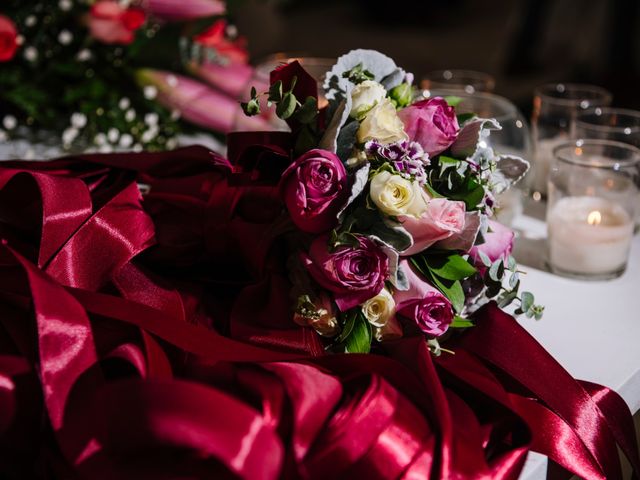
[{"x": 150, "y": 337}]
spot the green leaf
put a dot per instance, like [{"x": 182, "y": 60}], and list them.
[
  {"x": 347, "y": 328},
  {"x": 287, "y": 106},
  {"x": 486, "y": 261},
  {"x": 452, "y": 100},
  {"x": 359, "y": 341},
  {"x": 506, "y": 298},
  {"x": 514, "y": 279},
  {"x": 308, "y": 112},
  {"x": 452, "y": 290},
  {"x": 463, "y": 117},
  {"x": 512, "y": 264},
  {"x": 527, "y": 300},
  {"x": 275, "y": 92},
  {"x": 432, "y": 193},
  {"x": 459, "y": 322},
  {"x": 251, "y": 108},
  {"x": 449, "y": 267}
]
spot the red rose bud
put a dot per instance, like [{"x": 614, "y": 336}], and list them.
[
  {"x": 215, "y": 38},
  {"x": 432, "y": 123},
  {"x": 424, "y": 304},
  {"x": 180, "y": 10},
  {"x": 353, "y": 274},
  {"x": 313, "y": 189},
  {"x": 8, "y": 39}
]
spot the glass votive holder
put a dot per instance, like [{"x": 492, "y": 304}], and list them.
[
  {"x": 619, "y": 124},
  {"x": 591, "y": 208},
  {"x": 468, "y": 81},
  {"x": 555, "y": 108}
]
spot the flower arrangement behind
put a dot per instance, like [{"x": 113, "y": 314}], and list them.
[
  {"x": 90, "y": 74},
  {"x": 392, "y": 195}
]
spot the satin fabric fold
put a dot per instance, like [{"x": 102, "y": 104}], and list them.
[{"x": 148, "y": 337}]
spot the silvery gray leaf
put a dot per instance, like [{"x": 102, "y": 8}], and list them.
[
  {"x": 381, "y": 66},
  {"x": 346, "y": 140},
  {"x": 465, "y": 239},
  {"x": 395, "y": 236},
  {"x": 360, "y": 179},
  {"x": 471, "y": 136},
  {"x": 509, "y": 170},
  {"x": 396, "y": 276},
  {"x": 394, "y": 79},
  {"x": 484, "y": 228},
  {"x": 329, "y": 140}
]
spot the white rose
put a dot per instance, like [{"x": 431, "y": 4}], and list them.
[
  {"x": 395, "y": 195},
  {"x": 365, "y": 96},
  {"x": 379, "y": 309},
  {"x": 382, "y": 124}
]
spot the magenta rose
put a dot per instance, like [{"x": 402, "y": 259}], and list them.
[
  {"x": 432, "y": 123},
  {"x": 353, "y": 274},
  {"x": 498, "y": 244},
  {"x": 442, "y": 219},
  {"x": 314, "y": 189},
  {"x": 423, "y": 304}
]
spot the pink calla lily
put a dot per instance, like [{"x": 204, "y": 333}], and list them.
[{"x": 180, "y": 10}]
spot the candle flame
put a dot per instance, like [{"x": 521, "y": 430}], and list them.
[{"x": 594, "y": 218}]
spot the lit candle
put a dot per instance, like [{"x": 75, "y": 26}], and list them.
[{"x": 589, "y": 236}]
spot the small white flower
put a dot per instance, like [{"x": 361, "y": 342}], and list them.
[
  {"x": 232, "y": 31},
  {"x": 9, "y": 122},
  {"x": 172, "y": 143},
  {"x": 31, "y": 54},
  {"x": 31, "y": 21},
  {"x": 112, "y": 135},
  {"x": 130, "y": 116},
  {"x": 78, "y": 120},
  {"x": 137, "y": 148},
  {"x": 379, "y": 309},
  {"x": 125, "y": 140},
  {"x": 69, "y": 135},
  {"x": 100, "y": 139},
  {"x": 176, "y": 114},
  {"x": 65, "y": 5},
  {"x": 105, "y": 149},
  {"x": 84, "y": 55},
  {"x": 19, "y": 40},
  {"x": 149, "y": 135},
  {"x": 65, "y": 37},
  {"x": 150, "y": 92},
  {"x": 3, "y": 136},
  {"x": 151, "y": 119},
  {"x": 124, "y": 103}
]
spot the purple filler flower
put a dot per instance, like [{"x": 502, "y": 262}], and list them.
[{"x": 408, "y": 158}]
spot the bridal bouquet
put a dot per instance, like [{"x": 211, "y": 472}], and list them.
[{"x": 391, "y": 194}]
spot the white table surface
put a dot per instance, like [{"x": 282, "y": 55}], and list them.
[{"x": 591, "y": 327}]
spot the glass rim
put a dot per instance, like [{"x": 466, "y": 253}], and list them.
[
  {"x": 627, "y": 112},
  {"x": 509, "y": 106},
  {"x": 546, "y": 91},
  {"x": 475, "y": 78},
  {"x": 610, "y": 164}
]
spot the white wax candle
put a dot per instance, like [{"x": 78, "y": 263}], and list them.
[
  {"x": 589, "y": 235},
  {"x": 543, "y": 156}
]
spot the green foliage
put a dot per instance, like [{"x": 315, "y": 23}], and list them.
[
  {"x": 356, "y": 335},
  {"x": 358, "y": 74},
  {"x": 455, "y": 179}
]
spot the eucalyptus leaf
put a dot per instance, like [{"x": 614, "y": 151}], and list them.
[
  {"x": 287, "y": 106},
  {"x": 527, "y": 300},
  {"x": 486, "y": 261},
  {"x": 496, "y": 271},
  {"x": 308, "y": 112}
]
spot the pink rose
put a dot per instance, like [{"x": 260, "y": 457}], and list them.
[
  {"x": 314, "y": 189},
  {"x": 498, "y": 244},
  {"x": 423, "y": 304},
  {"x": 442, "y": 219},
  {"x": 432, "y": 123},
  {"x": 8, "y": 39},
  {"x": 111, "y": 23},
  {"x": 353, "y": 274}
]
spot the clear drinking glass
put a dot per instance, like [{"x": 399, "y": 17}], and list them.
[
  {"x": 617, "y": 124},
  {"x": 591, "y": 207},
  {"x": 555, "y": 108},
  {"x": 513, "y": 138},
  {"x": 468, "y": 81}
]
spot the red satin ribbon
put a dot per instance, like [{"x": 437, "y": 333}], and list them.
[{"x": 157, "y": 339}]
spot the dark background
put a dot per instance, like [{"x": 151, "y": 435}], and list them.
[{"x": 522, "y": 43}]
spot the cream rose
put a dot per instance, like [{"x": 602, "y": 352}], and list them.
[
  {"x": 364, "y": 97},
  {"x": 395, "y": 195},
  {"x": 382, "y": 124},
  {"x": 379, "y": 309}
]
